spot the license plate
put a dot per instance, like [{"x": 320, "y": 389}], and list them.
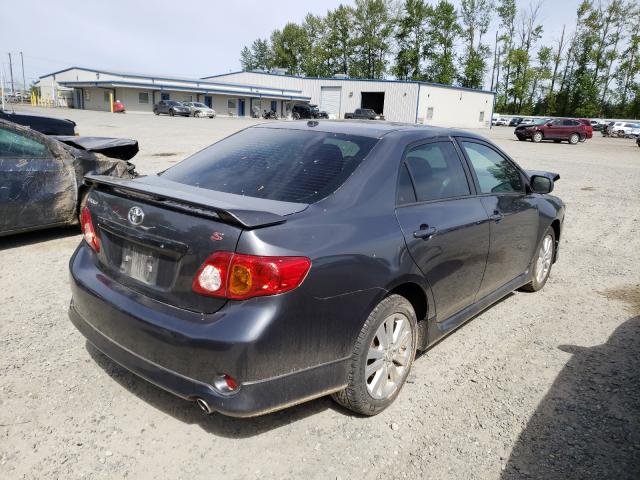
[{"x": 140, "y": 265}]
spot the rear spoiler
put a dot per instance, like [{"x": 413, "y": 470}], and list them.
[
  {"x": 247, "y": 212},
  {"x": 550, "y": 175}
]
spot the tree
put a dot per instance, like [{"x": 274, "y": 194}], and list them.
[
  {"x": 507, "y": 13},
  {"x": 557, "y": 58},
  {"x": 314, "y": 61},
  {"x": 289, "y": 47},
  {"x": 443, "y": 30},
  {"x": 339, "y": 42},
  {"x": 627, "y": 72},
  {"x": 261, "y": 53},
  {"x": 410, "y": 38},
  {"x": 373, "y": 26},
  {"x": 476, "y": 18},
  {"x": 246, "y": 59}
]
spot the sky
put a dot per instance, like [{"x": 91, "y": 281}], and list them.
[{"x": 190, "y": 38}]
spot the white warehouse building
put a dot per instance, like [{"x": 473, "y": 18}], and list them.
[{"x": 240, "y": 93}]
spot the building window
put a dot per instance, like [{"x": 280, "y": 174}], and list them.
[
  {"x": 231, "y": 104},
  {"x": 430, "y": 113},
  {"x": 481, "y": 119},
  {"x": 143, "y": 97},
  {"x": 107, "y": 98},
  {"x": 188, "y": 98},
  {"x": 164, "y": 96}
]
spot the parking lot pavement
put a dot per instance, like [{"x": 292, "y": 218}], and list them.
[{"x": 543, "y": 385}]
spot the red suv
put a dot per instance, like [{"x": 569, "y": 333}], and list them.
[{"x": 569, "y": 129}]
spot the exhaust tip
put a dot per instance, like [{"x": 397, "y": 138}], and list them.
[{"x": 204, "y": 406}]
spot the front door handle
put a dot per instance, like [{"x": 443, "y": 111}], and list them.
[
  {"x": 497, "y": 216},
  {"x": 425, "y": 232}
]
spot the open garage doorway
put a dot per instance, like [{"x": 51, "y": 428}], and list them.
[{"x": 374, "y": 101}]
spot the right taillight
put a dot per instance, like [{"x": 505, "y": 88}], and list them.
[
  {"x": 88, "y": 230},
  {"x": 238, "y": 276}
]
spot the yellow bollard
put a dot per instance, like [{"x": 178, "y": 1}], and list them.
[{"x": 111, "y": 101}]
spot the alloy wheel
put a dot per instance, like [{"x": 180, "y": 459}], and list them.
[
  {"x": 389, "y": 356},
  {"x": 545, "y": 257}
]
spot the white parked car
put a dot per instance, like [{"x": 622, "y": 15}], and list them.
[
  {"x": 200, "y": 109},
  {"x": 626, "y": 129}
]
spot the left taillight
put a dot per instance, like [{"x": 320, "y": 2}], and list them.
[
  {"x": 239, "y": 277},
  {"x": 88, "y": 231}
]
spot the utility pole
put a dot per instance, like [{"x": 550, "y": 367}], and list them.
[
  {"x": 13, "y": 91},
  {"x": 24, "y": 82},
  {"x": 2, "y": 86}
]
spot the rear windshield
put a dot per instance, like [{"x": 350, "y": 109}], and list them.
[{"x": 276, "y": 164}]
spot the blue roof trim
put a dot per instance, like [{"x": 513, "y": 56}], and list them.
[
  {"x": 159, "y": 86},
  {"x": 173, "y": 79},
  {"x": 432, "y": 84}
]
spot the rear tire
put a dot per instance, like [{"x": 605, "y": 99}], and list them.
[
  {"x": 382, "y": 357},
  {"x": 156, "y": 112},
  {"x": 574, "y": 138},
  {"x": 542, "y": 262}
]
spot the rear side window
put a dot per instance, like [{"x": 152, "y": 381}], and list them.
[
  {"x": 405, "y": 193},
  {"x": 275, "y": 164},
  {"x": 436, "y": 171},
  {"x": 15, "y": 145},
  {"x": 495, "y": 174}
]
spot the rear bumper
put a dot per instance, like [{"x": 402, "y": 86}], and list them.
[{"x": 181, "y": 351}]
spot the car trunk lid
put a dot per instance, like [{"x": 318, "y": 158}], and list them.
[{"x": 155, "y": 233}]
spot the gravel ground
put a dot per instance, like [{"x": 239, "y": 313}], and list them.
[{"x": 543, "y": 385}]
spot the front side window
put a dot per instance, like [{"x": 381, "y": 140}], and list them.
[
  {"x": 495, "y": 174},
  {"x": 436, "y": 171},
  {"x": 15, "y": 145},
  {"x": 275, "y": 164}
]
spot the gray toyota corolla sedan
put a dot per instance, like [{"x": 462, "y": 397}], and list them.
[{"x": 293, "y": 260}]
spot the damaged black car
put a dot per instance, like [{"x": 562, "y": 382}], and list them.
[{"x": 41, "y": 177}]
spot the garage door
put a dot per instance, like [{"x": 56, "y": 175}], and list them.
[{"x": 330, "y": 100}]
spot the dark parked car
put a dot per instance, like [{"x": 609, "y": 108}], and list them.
[
  {"x": 560, "y": 129},
  {"x": 171, "y": 107},
  {"x": 294, "y": 260},
  {"x": 46, "y": 125},
  {"x": 304, "y": 111},
  {"x": 41, "y": 176},
  {"x": 514, "y": 122},
  {"x": 364, "y": 114}
]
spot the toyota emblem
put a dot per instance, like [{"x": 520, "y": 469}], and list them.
[{"x": 136, "y": 215}]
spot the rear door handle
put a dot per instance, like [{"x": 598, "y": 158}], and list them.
[
  {"x": 497, "y": 216},
  {"x": 425, "y": 232}
]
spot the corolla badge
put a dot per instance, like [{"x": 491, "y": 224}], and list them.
[{"x": 136, "y": 215}]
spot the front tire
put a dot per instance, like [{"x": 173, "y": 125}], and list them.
[
  {"x": 574, "y": 138},
  {"x": 543, "y": 262},
  {"x": 171, "y": 113},
  {"x": 537, "y": 137},
  {"x": 382, "y": 357}
]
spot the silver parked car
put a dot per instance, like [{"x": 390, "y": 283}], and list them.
[{"x": 200, "y": 109}]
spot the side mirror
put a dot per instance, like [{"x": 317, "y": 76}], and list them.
[
  {"x": 549, "y": 124},
  {"x": 540, "y": 184}
]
